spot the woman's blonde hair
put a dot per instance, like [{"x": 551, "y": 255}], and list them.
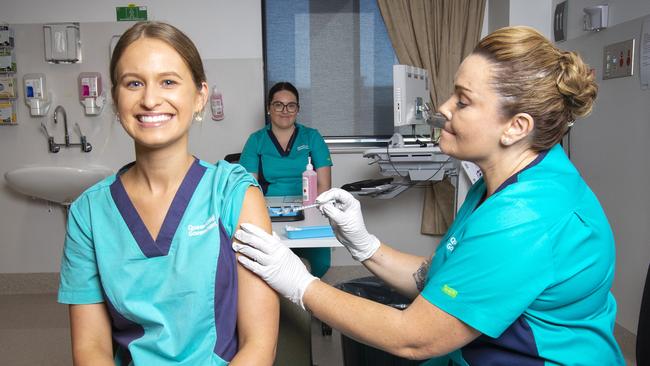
[{"x": 533, "y": 76}]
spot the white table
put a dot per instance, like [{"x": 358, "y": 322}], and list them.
[{"x": 312, "y": 218}]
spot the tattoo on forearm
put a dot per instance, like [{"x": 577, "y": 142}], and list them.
[{"x": 420, "y": 275}]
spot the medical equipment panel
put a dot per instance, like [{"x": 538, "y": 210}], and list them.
[
  {"x": 410, "y": 93},
  {"x": 410, "y": 165}
]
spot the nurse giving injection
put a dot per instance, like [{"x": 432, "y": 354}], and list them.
[{"x": 523, "y": 275}]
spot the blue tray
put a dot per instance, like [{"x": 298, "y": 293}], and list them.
[{"x": 305, "y": 232}]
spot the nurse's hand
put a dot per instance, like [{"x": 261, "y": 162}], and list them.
[
  {"x": 276, "y": 264},
  {"x": 347, "y": 223}
]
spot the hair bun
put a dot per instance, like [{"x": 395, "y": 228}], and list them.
[{"x": 576, "y": 83}]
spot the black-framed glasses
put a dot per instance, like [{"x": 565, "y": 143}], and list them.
[{"x": 292, "y": 107}]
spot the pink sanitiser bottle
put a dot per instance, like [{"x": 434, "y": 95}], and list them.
[
  {"x": 216, "y": 104},
  {"x": 309, "y": 184}
]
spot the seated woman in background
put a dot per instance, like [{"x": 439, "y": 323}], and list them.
[
  {"x": 148, "y": 266},
  {"x": 276, "y": 156}
]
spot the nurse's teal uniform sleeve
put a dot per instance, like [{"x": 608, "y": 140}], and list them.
[
  {"x": 320, "y": 156},
  {"x": 249, "y": 157},
  {"x": 79, "y": 272},
  {"x": 233, "y": 190},
  {"x": 494, "y": 270}
]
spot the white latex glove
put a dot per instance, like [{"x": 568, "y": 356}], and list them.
[
  {"x": 347, "y": 223},
  {"x": 276, "y": 264}
]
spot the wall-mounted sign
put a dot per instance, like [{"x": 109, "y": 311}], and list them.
[{"x": 131, "y": 13}]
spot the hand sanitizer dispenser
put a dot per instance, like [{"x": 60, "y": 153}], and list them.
[
  {"x": 91, "y": 93},
  {"x": 36, "y": 94}
]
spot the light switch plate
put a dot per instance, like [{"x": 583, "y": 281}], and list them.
[{"x": 618, "y": 59}]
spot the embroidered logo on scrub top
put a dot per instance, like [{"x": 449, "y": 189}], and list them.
[
  {"x": 449, "y": 291},
  {"x": 302, "y": 147},
  {"x": 196, "y": 230},
  {"x": 451, "y": 244}
]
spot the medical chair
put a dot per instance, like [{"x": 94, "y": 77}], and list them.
[
  {"x": 643, "y": 330},
  {"x": 232, "y": 158}
]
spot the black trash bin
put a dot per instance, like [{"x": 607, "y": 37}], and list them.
[{"x": 359, "y": 354}]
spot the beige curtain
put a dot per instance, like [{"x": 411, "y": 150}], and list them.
[{"x": 435, "y": 35}]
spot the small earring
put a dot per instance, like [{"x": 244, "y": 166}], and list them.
[
  {"x": 505, "y": 141},
  {"x": 198, "y": 117}
]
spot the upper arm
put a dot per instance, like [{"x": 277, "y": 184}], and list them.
[
  {"x": 320, "y": 153},
  {"x": 324, "y": 179},
  {"x": 90, "y": 329},
  {"x": 258, "y": 305},
  {"x": 437, "y": 333}
]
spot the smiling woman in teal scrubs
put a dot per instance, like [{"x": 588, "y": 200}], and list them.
[
  {"x": 523, "y": 275},
  {"x": 148, "y": 268},
  {"x": 277, "y": 156}
]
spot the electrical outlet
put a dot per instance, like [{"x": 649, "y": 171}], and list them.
[{"x": 618, "y": 59}]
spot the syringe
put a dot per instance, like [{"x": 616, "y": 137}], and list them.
[{"x": 289, "y": 209}]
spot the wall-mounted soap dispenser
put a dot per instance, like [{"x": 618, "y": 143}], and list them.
[
  {"x": 91, "y": 93},
  {"x": 37, "y": 97}
]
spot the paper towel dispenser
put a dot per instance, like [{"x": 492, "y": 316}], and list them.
[{"x": 62, "y": 43}]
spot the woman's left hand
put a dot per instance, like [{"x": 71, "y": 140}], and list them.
[{"x": 275, "y": 263}]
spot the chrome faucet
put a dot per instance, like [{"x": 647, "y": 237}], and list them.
[
  {"x": 53, "y": 146},
  {"x": 65, "y": 122}
]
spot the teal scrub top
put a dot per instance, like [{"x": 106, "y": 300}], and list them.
[
  {"x": 172, "y": 300},
  {"x": 531, "y": 268},
  {"x": 279, "y": 172}
]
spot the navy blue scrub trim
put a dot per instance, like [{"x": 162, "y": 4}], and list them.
[
  {"x": 275, "y": 141},
  {"x": 264, "y": 184},
  {"x": 160, "y": 246},
  {"x": 124, "y": 332},
  {"x": 515, "y": 346},
  {"x": 225, "y": 298},
  {"x": 513, "y": 178}
]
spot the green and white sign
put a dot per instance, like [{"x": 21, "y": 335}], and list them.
[{"x": 131, "y": 13}]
